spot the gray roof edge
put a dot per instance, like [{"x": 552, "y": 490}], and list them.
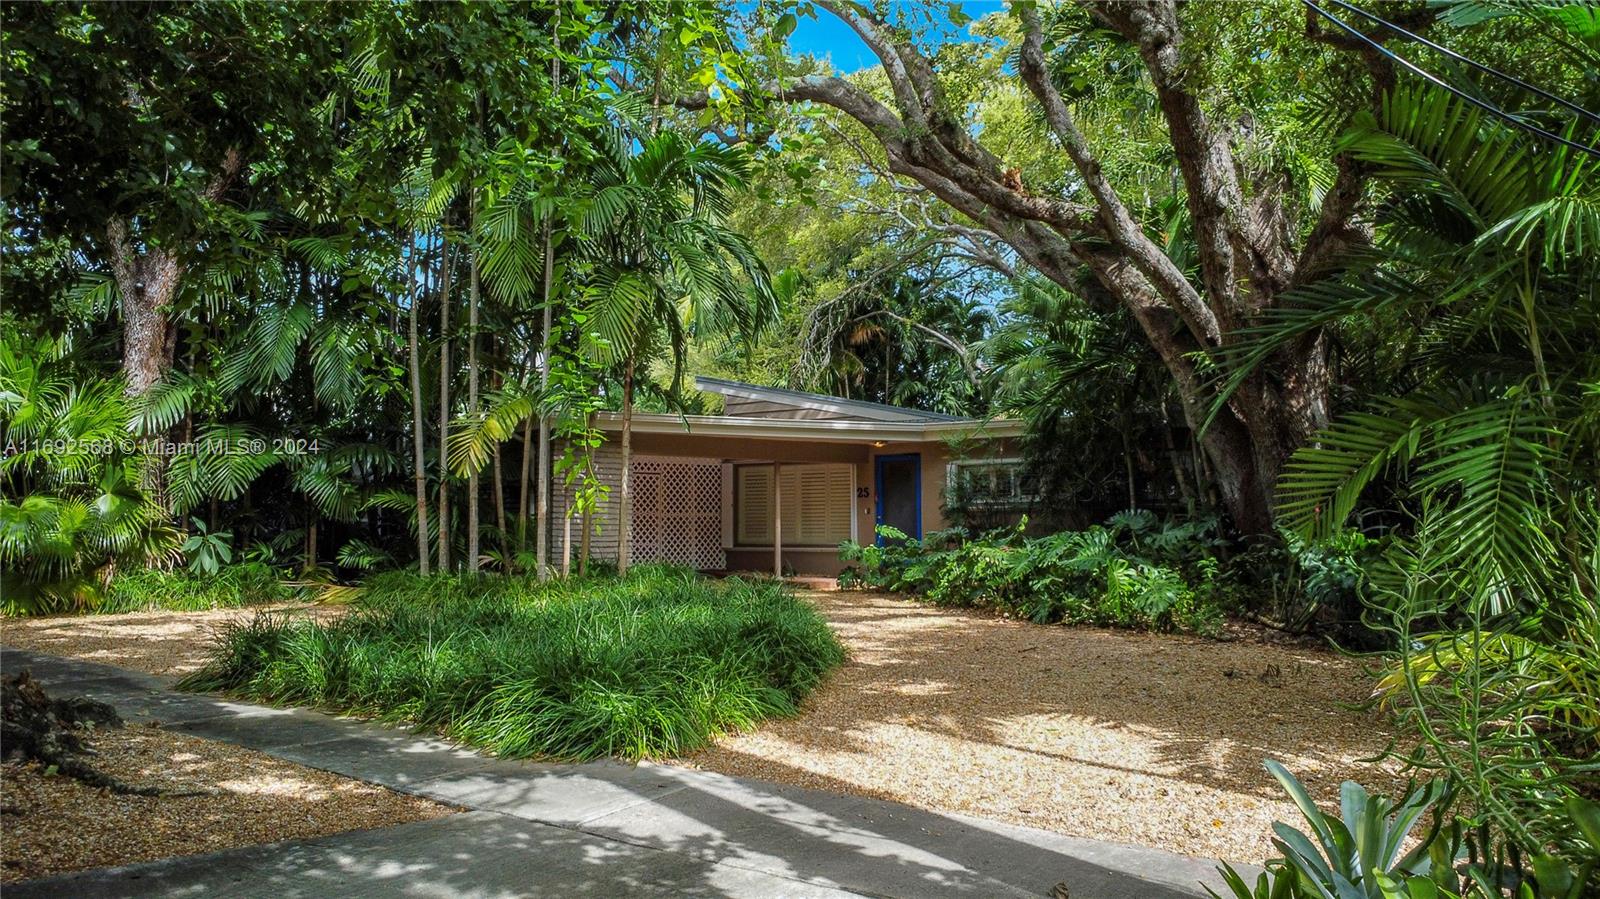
[{"x": 868, "y": 410}]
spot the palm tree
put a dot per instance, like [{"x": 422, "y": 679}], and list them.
[
  {"x": 661, "y": 265},
  {"x": 1475, "y": 313},
  {"x": 1485, "y": 269},
  {"x": 71, "y": 507}
]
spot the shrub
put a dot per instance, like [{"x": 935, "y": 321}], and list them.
[
  {"x": 651, "y": 665},
  {"x": 244, "y": 584},
  {"x": 1320, "y": 585},
  {"x": 1134, "y": 572}
]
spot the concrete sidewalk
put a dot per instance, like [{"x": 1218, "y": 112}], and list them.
[{"x": 600, "y": 829}]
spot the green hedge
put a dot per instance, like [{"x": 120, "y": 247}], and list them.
[
  {"x": 1134, "y": 572},
  {"x": 651, "y": 665}
]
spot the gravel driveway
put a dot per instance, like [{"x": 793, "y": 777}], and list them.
[{"x": 1134, "y": 738}]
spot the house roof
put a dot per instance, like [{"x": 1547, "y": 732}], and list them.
[
  {"x": 851, "y": 410},
  {"x": 834, "y": 431}
]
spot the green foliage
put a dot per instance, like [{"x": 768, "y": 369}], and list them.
[
  {"x": 1313, "y": 585},
  {"x": 1134, "y": 572},
  {"x": 208, "y": 551},
  {"x": 72, "y": 506},
  {"x": 239, "y": 584},
  {"x": 651, "y": 665},
  {"x": 1358, "y": 853},
  {"x": 1473, "y": 311}
]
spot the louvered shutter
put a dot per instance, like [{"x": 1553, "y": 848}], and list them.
[
  {"x": 816, "y": 504},
  {"x": 754, "y": 514}
]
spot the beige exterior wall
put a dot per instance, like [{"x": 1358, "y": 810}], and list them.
[{"x": 935, "y": 456}]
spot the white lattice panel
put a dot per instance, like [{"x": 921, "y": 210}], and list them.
[{"x": 677, "y": 512}]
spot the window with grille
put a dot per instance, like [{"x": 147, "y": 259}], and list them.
[
  {"x": 816, "y": 506},
  {"x": 991, "y": 483}
]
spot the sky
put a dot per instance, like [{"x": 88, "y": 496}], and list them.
[{"x": 828, "y": 36}]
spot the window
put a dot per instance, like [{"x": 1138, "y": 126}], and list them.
[
  {"x": 817, "y": 504},
  {"x": 991, "y": 483}
]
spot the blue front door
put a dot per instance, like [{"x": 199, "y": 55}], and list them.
[{"x": 899, "y": 489}]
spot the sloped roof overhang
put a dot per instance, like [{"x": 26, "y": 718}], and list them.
[
  {"x": 806, "y": 429},
  {"x": 858, "y": 409}
]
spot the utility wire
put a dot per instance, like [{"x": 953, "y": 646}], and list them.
[
  {"x": 1568, "y": 104},
  {"x": 1429, "y": 76}
]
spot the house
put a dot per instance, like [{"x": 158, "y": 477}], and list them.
[{"x": 782, "y": 477}]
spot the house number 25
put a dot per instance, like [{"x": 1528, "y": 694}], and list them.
[{"x": 862, "y": 493}]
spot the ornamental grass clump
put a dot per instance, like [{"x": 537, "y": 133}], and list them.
[
  {"x": 240, "y": 584},
  {"x": 651, "y": 665}
]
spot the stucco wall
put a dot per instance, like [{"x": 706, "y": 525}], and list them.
[{"x": 935, "y": 456}]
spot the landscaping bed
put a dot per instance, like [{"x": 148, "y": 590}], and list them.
[
  {"x": 651, "y": 665},
  {"x": 215, "y": 796}
]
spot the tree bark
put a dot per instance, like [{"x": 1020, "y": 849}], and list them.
[
  {"x": 147, "y": 280},
  {"x": 525, "y": 499},
  {"x": 444, "y": 400},
  {"x": 625, "y": 491},
  {"x": 500, "y": 503},
  {"x": 419, "y": 473},
  {"x": 472, "y": 393},
  {"x": 566, "y": 537},
  {"x": 542, "y": 519}
]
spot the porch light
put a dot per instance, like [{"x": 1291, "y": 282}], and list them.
[{"x": 878, "y": 443}]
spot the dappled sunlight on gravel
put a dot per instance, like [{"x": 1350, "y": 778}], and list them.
[
  {"x": 1133, "y": 738},
  {"x": 170, "y": 643},
  {"x": 235, "y": 797}
]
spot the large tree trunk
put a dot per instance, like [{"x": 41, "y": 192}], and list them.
[
  {"x": 419, "y": 474},
  {"x": 625, "y": 491},
  {"x": 147, "y": 279},
  {"x": 147, "y": 283}
]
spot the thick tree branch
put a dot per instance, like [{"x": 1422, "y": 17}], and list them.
[
  {"x": 1113, "y": 213},
  {"x": 854, "y": 102},
  {"x": 1205, "y": 160}
]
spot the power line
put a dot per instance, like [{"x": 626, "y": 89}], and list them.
[
  {"x": 1560, "y": 101},
  {"x": 1434, "y": 79}
]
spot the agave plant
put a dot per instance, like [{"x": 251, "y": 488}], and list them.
[{"x": 1358, "y": 854}]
